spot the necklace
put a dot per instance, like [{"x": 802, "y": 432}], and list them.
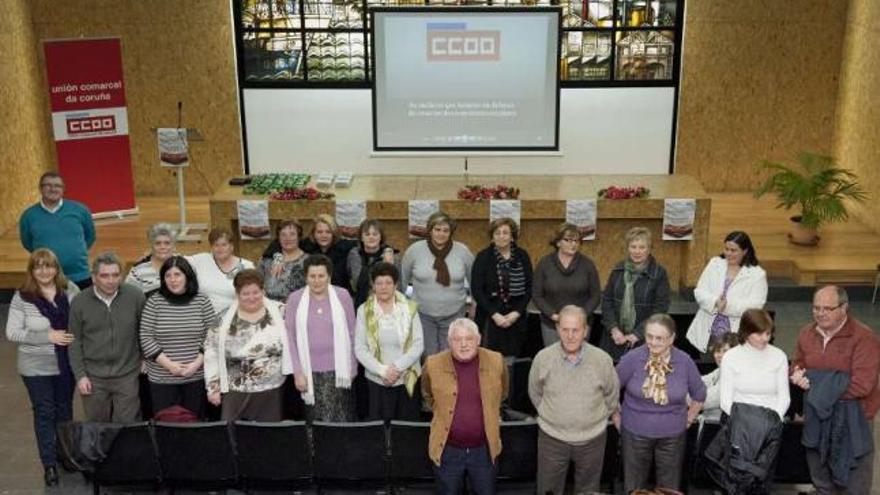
[{"x": 320, "y": 311}]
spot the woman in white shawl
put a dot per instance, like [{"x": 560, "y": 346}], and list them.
[
  {"x": 389, "y": 343},
  {"x": 320, "y": 323},
  {"x": 247, "y": 356}
]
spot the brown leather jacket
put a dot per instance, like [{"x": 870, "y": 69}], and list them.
[{"x": 440, "y": 390}]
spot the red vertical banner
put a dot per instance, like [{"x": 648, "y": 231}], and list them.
[{"x": 90, "y": 122}]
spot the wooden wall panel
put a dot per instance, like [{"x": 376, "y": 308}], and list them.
[
  {"x": 858, "y": 123},
  {"x": 24, "y": 153},
  {"x": 171, "y": 51},
  {"x": 759, "y": 81}
]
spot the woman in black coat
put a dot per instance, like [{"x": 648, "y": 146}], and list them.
[
  {"x": 637, "y": 288},
  {"x": 501, "y": 284}
]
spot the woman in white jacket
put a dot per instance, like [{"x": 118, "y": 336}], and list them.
[{"x": 730, "y": 284}]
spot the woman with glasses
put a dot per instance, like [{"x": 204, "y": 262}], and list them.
[
  {"x": 564, "y": 277},
  {"x": 655, "y": 413},
  {"x": 145, "y": 272}
]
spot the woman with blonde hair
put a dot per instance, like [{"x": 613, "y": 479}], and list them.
[
  {"x": 637, "y": 288},
  {"x": 324, "y": 239},
  {"x": 37, "y": 322}
]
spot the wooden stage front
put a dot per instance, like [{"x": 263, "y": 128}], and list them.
[{"x": 848, "y": 253}]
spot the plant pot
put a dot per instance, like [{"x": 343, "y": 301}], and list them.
[{"x": 801, "y": 235}]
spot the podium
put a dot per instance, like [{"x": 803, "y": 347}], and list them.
[{"x": 186, "y": 232}]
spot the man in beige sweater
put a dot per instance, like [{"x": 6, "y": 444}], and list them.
[{"x": 575, "y": 389}]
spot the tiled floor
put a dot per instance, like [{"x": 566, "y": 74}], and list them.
[{"x": 20, "y": 471}]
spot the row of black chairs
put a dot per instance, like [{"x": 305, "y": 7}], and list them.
[
  {"x": 371, "y": 456},
  {"x": 292, "y": 455}
]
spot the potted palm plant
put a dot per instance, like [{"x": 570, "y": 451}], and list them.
[{"x": 818, "y": 188}]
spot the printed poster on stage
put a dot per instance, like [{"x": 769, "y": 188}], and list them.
[
  {"x": 173, "y": 148},
  {"x": 253, "y": 219},
  {"x": 419, "y": 211},
  {"x": 90, "y": 122},
  {"x": 350, "y": 213},
  {"x": 501, "y": 208},
  {"x": 582, "y": 214},
  {"x": 678, "y": 219}
]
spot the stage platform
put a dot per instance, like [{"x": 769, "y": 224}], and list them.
[{"x": 848, "y": 253}]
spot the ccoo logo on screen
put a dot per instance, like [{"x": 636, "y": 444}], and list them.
[{"x": 452, "y": 41}]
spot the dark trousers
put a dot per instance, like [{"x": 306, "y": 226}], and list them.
[
  {"x": 553, "y": 459},
  {"x": 52, "y": 403},
  {"x": 388, "y": 403},
  {"x": 474, "y": 462},
  {"x": 860, "y": 478},
  {"x": 114, "y": 400},
  {"x": 262, "y": 406},
  {"x": 639, "y": 453},
  {"x": 190, "y": 395}
]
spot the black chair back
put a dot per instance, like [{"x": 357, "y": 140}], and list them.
[
  {"x": 409, "y": 451},
  {"x": 519, "y": 453},
  {"x": 196, "y": 455},
  {"x": 273, "y": 455},
  {"x": 350, "y": 453},
  {"x": 519, "y": 386},
  {"x": 131, "y": 461}
]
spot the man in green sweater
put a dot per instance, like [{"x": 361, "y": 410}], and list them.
[
  {"x": 61, "y": 225},
  {"x": 575, "y": 390},
  {"x": 105, "y": 356}
]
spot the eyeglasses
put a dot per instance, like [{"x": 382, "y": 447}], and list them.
[
  {"x": 52, "y": 186},
  {"x": 826, "y": 309}
]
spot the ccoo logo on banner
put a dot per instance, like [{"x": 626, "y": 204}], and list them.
[{"x": 90, "y": 123}]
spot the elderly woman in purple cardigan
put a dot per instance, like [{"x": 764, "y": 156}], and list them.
[{"x": 653, "y": 420}]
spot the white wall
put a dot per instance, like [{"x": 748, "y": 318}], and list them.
[{"x": 602, "y": 131}]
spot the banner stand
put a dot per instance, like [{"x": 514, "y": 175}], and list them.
[{"x": 186, "y": 232}]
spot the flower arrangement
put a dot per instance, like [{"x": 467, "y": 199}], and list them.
[
  {"x": 617, "y": 192},
  {"x": 301, "y": 193},
  {"x": 475, "y": 192}
]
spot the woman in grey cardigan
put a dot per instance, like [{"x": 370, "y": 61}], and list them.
[
  {"x": 37, "y": 322},
  {"x": 438, "y": 269},
  {"x": 637, "y": 288}
]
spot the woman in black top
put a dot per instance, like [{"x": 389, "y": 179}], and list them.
[
  {"x": 370, "y": 250},
  {"x": 324, "y": 239},
  {"x": 501, "y": 283}
]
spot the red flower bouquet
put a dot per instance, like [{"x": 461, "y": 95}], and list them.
[
  {"x": 474, "y": 192},
  {"x": 301, "y": 193},
  {"x": 617, "y": 192}
]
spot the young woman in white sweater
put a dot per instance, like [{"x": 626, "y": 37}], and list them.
[
  {"x": 755, "y": 372},
  {"x": 730, "y": 284}
]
